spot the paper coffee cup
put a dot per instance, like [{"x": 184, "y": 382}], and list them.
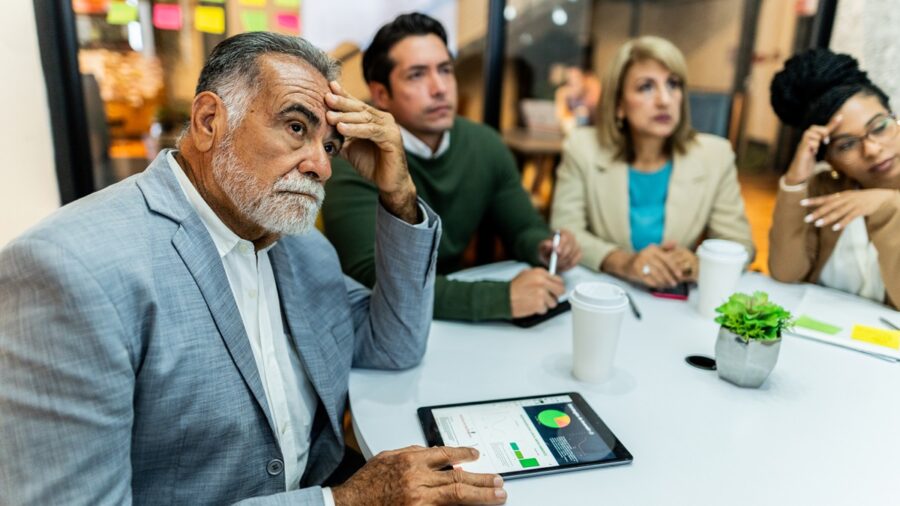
[
  {"x": 597, "y": 310},
  {"x": 721, "y": 265}
]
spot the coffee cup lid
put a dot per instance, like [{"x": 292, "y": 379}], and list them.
[
  {"x": 723, "y": 249},
  {"x": 599, "y": 295}
]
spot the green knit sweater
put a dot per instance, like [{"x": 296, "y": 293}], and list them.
[{"x": 474, "y": 181}]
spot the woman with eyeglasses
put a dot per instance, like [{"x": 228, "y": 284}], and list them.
[
  {"x": 641, "y": 189},
  {"x": 837, "y": 223}
]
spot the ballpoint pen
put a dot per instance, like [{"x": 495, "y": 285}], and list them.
[
  {"x": 634, "y": 309},
  {"x": 888, "y": 323},
  {"x": 553, "y": 254}
]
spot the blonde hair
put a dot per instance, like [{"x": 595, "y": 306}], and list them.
[{"x": 648, "y": 47}]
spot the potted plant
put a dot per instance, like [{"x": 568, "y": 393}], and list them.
[{"x": 750, "y": 337}]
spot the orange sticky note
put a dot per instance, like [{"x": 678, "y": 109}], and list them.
[
  {"x": 209, "y": 19},
  {"x": 289, "y": 22},
  {"x": 167, "y": 16},
  {"x": 873, "y": 335}
]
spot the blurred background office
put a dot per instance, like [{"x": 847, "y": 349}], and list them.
[{"x": 94, "y": 88}]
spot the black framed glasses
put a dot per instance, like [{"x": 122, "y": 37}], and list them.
[{"x": 849, "y": 148}]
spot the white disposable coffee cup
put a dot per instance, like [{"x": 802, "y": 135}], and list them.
[
  {"x": 597, "y": 310},
  {"x": 721, "y": 265}
]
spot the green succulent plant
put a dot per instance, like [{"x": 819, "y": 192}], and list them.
[{"x": 754, "y": 317}]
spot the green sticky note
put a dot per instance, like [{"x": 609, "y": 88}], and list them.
[
  {"x": 121, "y": 13},
  {"x": 287, "y": 3},
  {"x": 254, "y": 21},
  {"x": 819, "y": 326}
]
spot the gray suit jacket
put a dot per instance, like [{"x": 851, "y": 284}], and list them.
[{"x": 125, "y": 371}]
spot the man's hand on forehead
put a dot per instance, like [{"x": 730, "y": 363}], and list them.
[{"x": 374, "y": 147}]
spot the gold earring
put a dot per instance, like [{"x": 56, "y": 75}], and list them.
[{"x": 835, "y": 174}]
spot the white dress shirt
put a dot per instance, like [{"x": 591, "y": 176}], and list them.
[
  {"x": 853, "y": 265},
  {"x": 289, "y": 394},
  {"x": 418, "y": 147}
]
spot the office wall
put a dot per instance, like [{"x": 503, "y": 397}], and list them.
[
  {"x": 28, "y": 187},
  {"x": 867, "y": 29}
]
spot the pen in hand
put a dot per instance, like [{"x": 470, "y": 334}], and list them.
[{"x": 554, "y": 255}]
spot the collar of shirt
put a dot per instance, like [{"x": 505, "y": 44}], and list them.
[
  {"x": 223, "y": 237},
  {"x": 418, "y": 147}
]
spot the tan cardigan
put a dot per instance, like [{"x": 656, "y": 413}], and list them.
[
  {"x": 798, "y": 251},
  {"x": 591, "y": 197}
]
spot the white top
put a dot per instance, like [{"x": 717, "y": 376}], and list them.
[
  {"x": 418, "y": 147},
  {"x": 290, "y": 395},
  {"x": 853, "y": 265}
]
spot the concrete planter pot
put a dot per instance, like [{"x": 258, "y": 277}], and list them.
[{"x": 746, "y": 364}]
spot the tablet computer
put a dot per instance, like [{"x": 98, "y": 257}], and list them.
[
  {"x": 531, "y": 321},
  {"x": 526, "y": 436}
]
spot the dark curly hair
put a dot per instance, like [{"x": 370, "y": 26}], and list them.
[{"x": 814, "y": 84}]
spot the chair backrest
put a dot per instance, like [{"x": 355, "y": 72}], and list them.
[{"x": 710, "y": 112}]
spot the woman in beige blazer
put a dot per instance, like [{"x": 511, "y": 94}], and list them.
[
  {"x": 643, "y": 131},
  {"x": 840, "y": 226}
]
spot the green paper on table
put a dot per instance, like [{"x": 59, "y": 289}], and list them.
[{"x": 819, "y": 326}]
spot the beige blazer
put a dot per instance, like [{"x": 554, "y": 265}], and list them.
[
  {"x": 591, "y": 197},
  {"x": 798, "y": 251}
]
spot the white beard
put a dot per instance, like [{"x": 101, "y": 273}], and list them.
[{"x": 279, "y": 209}]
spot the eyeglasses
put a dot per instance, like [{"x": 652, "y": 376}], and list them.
[{"x": 883, "y": 128}]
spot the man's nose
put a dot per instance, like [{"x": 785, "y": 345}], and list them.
[
  {"x": 316, "y": 165},
  {"x": 438, "y": 85}
]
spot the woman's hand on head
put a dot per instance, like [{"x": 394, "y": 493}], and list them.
[{"x": 804, "y": 162}]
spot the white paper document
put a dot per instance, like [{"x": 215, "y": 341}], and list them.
[
  {"x": 844, "y": 311},
  {"x": 507, "y": 270}
]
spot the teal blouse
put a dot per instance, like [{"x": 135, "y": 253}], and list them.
[{"x": 647, "y": 192}]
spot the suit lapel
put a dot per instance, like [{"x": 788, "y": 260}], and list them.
[
  {"x": 311, "y": 344},
  {"x": 612, "y": 183},
  {"x": 682, "y": 202},
  {"x": 199, "y": 254}
]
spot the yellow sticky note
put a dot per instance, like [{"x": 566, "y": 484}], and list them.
[
  {"x": 873, "y": 335},
  {"x": 209, "y": 19},
  {"x": 253, "y": 3},
  {"x": 287, "y": 3}
]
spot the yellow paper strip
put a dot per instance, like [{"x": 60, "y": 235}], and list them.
[
  {"x": 873, "y": 335},
  {"x": 209, "y": 19},
  {"x": 253, "y": 3}
]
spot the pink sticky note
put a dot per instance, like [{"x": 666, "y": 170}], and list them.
[
  {"x": 288, "y": 21},
  {"x": 167, "y": 16}
]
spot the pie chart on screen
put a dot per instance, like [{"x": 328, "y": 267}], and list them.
[{"x": 553, "y": 418}]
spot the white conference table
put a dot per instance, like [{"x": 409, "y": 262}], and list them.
[{"x": 823, "y": 429}]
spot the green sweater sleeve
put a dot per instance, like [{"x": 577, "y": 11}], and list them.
[
  {"x": 514, "y": 217},
  {"x": 471, "y": 301}
]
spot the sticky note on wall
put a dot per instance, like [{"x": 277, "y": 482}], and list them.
[
  {"x": 289, "y": 22},
  {"x": 121, "y": 13},
  {"x": 253, "y": 3},
  {"x": 167, "y": 16},
  {"x": 209, "y": 19},
  {"x": 254, "y": 21},
  {"x": 287, "y": 3}
]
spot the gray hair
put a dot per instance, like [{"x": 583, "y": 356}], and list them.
[{"x": 232, "y": 70}]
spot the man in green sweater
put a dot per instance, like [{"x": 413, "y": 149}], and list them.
[{"x": 460, "y": 168}]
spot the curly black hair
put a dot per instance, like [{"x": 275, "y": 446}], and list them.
[{"x": 814, "y": 84}]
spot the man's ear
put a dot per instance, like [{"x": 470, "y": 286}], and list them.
[
  {"x": 208, "y": 120},
  {"x": 381, "y": 96}
]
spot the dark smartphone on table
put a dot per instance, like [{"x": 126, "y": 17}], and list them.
[{"x": 677, "y": 292}]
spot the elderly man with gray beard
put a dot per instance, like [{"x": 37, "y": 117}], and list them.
[{"x": 185, "y": 336}]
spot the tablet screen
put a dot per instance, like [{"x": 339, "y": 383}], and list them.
[{"x": 528, "y": 434}]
